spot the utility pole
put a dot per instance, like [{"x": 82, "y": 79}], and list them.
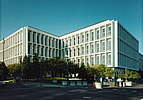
[{"x": 3, "y": 48}]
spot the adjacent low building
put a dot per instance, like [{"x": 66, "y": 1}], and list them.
[{"x": 106, "y": 42}]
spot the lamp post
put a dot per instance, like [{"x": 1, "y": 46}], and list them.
[
  {"x": 67, "y": 59},
  {"x": 20, "y": 68}
]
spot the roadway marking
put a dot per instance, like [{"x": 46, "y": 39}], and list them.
[{"x": 86, "y": 97}]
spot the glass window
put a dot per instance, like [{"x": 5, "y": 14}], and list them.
[
  {"x": 97, "y": 47},
  {"x": 103, "y": 46},
  {"x": 74, "y": 40},
  {"x": 97, "y": 59},
  {"x": 109, "y": 31},
  {"x": 92, "y": 60},
  {"x": 29, "y": 49},
  {"x": 29, "y": 32},
  {"x": 82, "y": 36},
  {"x": 92, "y": 36},
  {"x": 42, "y": 39},
  {"x": 87, "y": 37},
  {"x": 45, "y": 40},
  {"x": 108, "y": 45},
  {"x": 63, "y": 43},
  {"x": 78, "y": 51},
  {"x": 97, "y": 34},
  {"x": 87, "y": 61},
  {"x": 82, "y": 50},
  {"x": 103, "y": 33},
  {"x": 87, "y": 49},
  {"x": 70, "y": 41},
  {"x": 92, "y": 48},
  {"x": 103, "y": 59},
  {"x": 109, "y": 59},
  {"x": 74, "y": 52},
  {"x": 78, "y": 39}
]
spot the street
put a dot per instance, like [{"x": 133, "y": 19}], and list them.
[{"x": 70, "y": 93}]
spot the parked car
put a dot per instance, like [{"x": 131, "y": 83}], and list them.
[{"x": 2, "y": 83}]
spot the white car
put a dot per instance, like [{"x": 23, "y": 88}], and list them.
[{"x": 2, "y": 83}]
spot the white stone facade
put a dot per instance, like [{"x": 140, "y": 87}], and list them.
[{"x": 105, "y": 43}]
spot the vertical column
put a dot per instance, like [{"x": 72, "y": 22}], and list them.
[
  {"x": 105, "y": 44},
  {"x": 99, "y": 45}
]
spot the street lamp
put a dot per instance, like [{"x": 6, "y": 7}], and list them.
[
  {"x": 20, "y": 67},
  {"x": 67, "y": 60}
]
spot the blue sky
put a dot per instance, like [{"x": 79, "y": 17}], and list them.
[{"x": 63, "y": 16}]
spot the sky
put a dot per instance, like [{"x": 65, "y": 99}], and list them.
[{"x": 63, "y": 16}]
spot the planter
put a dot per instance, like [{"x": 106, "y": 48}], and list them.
[
  {"x": 130, "y": 83},
  {"x": 98, "y": 85}
]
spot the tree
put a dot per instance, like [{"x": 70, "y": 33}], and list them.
[
  {"x": 82, "y": 71},
  {"x": 3, "y": 71},
  {"x": 132, "y": 74},
  {"x": 108, "y": 72},
  {"x": 92, "y": 72},
  {"x": 25, "y": 67},
  {"x": 14, "y": 70}
]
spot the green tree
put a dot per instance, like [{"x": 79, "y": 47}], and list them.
[
  {"x": 14, "y": 70},
  {"x": 132, "y": 74},
  {"x": 108, "y": 72},
  {"x": 82, "y": 71},
  {"x": 25, "y": 67},
  {"x": 3, "y": 71}
]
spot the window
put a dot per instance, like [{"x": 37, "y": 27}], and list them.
[
  {"x": 97, "y": 34},
  {"x": 97, "y": 59},
  {"x": 70, "y": 41},
  {"x": 78, "y": 39},
  {"x": 46, "y": 52},
  {"x": 34, "y": 37},
  {"x": 82, "y": 50},
  {"x": 78, "y": 52},
  {"x": 74, "y": 52},
  {"x": 103, "y": 59},
  {"x": 74, "y": 40},
  {"x": 92, "y": 48},
  {"x": 87, "y": 37},
  {"x": 92, "y": 36},
  {"x": 38, "y": 38},
  {"x": 42, "y": 51},
  {"x": 56, "y": 43},
  {"x": 53, "y": 41},
  {"x": 108, "y": 59},
  {"x": 34, "y": 49},
  {"x": 29, "y": 49},
  {"x": 97, "y": 47},
  {"x": 87, "y": 49},
  {"x": 29, "y": 33},
  {"x": 63, "y": 43},
  {"x": 109, "y": 31},
  {"x": 87, "y": 61},
  {"x": 66, "y": 42},
  {"x": 53, "y": 53},
  {"x": 108, "y": 45},
  {"x": 38, "y": 52},
  {"x": 103, "y": 33},
  {"x": 70, "y": 52},
  {"x": 92, "y": 60},
  {"x": 102, "y": 46},
  {"x": 45, "y": 40},
  {"x": 82, "y": 40},
  {"x": 42, "y": 39}
]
